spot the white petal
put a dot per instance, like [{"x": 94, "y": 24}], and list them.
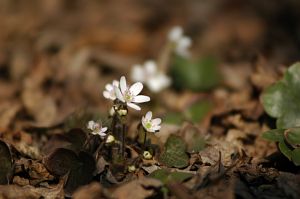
[
  {"x": 136, "y": 88},
  {"x": 158, "y": 82},
  {"x": 123, "y": 84},
  {"x": 102, "y": 134},
  {"x": 103, "y": 129},
  {"x": 156, "y": 121},
  {"x": 150, "y": 67},
  {"x": 109, "y": 87},
  {"x": 119, "y": 94},
  {"x": 138, "y": 74},
  {"x": 116, "y": 83},
  {"x": 91, "y": 125},
  {"x": 148, "y": 115},
  {"x": 106, "y": 94},
  {"x": 175, "y": 33},
  {"x": 156, "y": 128},
  {"x": 151, "y": 130},
  {"x": 183, "y": 45},
  {"x": 141, "y": 99},
  {"x": 144, "y": 122},
  {"x": 94, "y": 132},
  {"x": 185, "y": 42},
  {"x": 134, "y": 106}
]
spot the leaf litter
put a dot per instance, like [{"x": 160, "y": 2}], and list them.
[{"x": 52, "y": 73}]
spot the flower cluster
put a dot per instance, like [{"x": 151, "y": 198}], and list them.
[
  {"x": 149, "y": 124},
  {"x": 151, "y": 76},
  {"x": 96, "y": 128},
  {"x": 109, "y": 93},
  {"x": 126, "y": 94},
  {"x": 181, "y": 42}
]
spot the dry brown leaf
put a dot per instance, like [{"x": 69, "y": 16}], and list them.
[
  {"x": 8, "y": 111},
  {"x": 42, "y": 107},
  {"x": 90, "y": 191},
  {"x": 30, "y": 192},
  {"x": 210, "y": 155},
  {"x": 137, "y": 189}
]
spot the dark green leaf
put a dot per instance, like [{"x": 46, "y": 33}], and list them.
[
  {"x": 174, "y": 154},
  {"x": 274, "y": 135},
  {"x": 173, "y": 118},
  {"x": 6, "y": 165},
  {"x": 197, "y": 76},
  {"x": 292, "y": 136},
  {"x": 196, "y": 112},
  {"x": 285, "y": 150},
  {"x": 296, "y": 156},
  {"x": 281, "y": 100},
  {"x": 166, "y": 176}
]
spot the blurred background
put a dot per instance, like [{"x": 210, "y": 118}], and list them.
[{"x": 57, "y": 55}]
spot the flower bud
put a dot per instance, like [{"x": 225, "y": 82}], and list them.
[
  {"x": 131, "y": 168},
  {"x": 147, "y": 155},
  {"x": 110, "y": 139},
  {"x": 122, "y": 112}
]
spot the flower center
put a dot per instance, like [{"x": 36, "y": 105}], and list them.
[
  {"x": 128, "y": 96},
  {"x": 148, "y": 125}
]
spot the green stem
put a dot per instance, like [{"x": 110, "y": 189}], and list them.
[{"x": 145, "y": 139}]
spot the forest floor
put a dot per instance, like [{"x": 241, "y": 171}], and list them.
[{"x": 57, "y": 56}]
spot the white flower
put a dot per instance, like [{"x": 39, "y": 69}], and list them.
[
  {"x": 129, "y": 95},
  {"x": 109, "y": 93},
  {"x": 182, "y": 43},
  {"x": 151, "y": 125},
  {"x": 96, "y": 128},
  {"x": 148, "y": 74}
]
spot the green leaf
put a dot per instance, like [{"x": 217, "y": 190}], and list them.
[
  {"x": 6, "y": 164},
  {"x": 197, "y": 76},
  {"x": 296, "y": 156},
  {"x": 285, "y": 150},
  {"x": 160, "y": 174},
  {"x": 173, "y": 118},
  {"x": 174, "y": 154},
  {"x": 281, "y": 100},
  {"x": 274, "y": 135},
  {"x": 292, "y": 136},
  {"x": 166, "y": 176},
  {"x": 196, "y": 112},
  {"x": 197, "y": 144}
]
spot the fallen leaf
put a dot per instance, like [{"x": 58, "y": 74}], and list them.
[
  {"x": 174, "y": 154},
  {"x": 6, "y": 166},
  {"x": 137, "y": 189},
  {"x": 90, "y": 191}
]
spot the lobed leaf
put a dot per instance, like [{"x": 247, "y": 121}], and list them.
[
  {"x": 281, "y": 100},
  {"x": 296, "y": 156},
  {"x": 274, "y": 135},
  {"x": 174, "y": 154},
  {"x": 197, "y": 76},
  {"x": 166, "y": 176}
]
